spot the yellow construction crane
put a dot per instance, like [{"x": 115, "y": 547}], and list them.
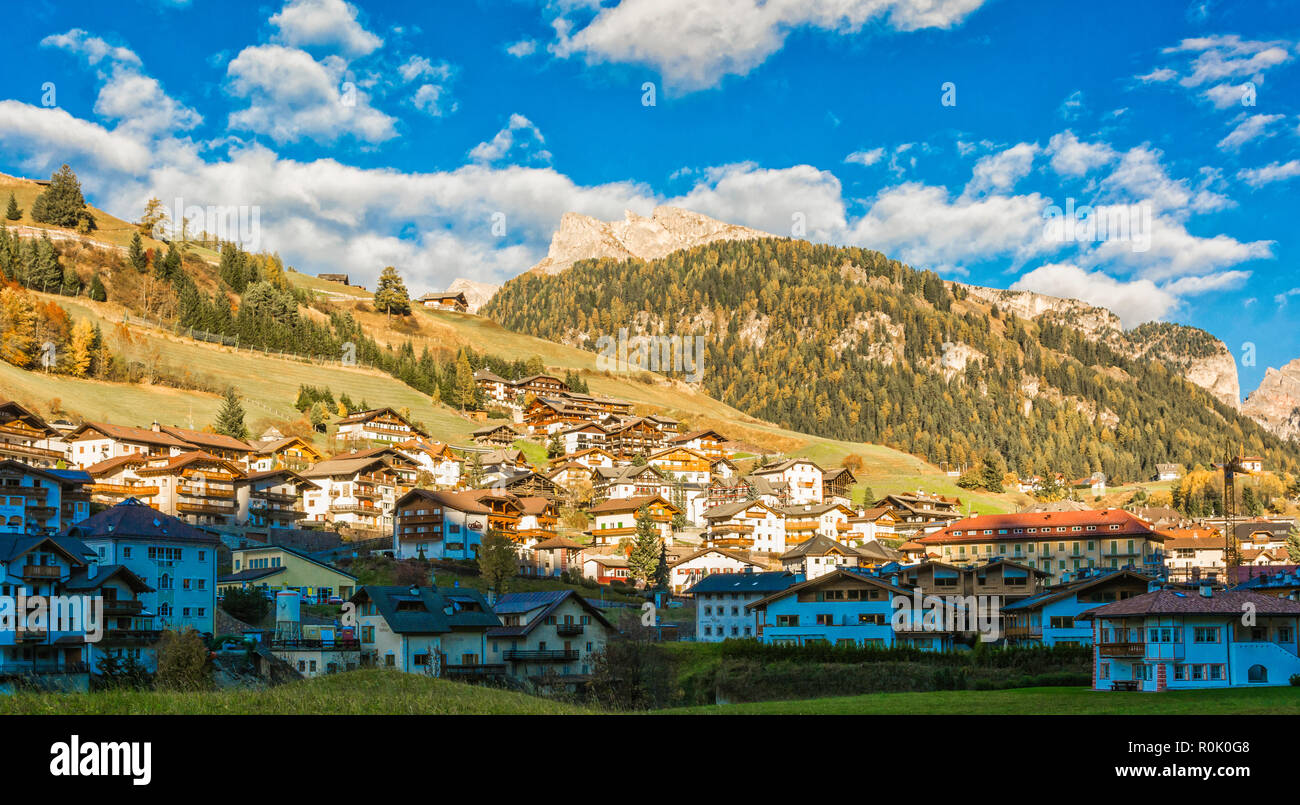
[{"x": 1231, "y": 468}]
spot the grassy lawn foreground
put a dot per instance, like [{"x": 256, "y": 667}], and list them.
[
  {"x": 1029, "y": 701},
  {"x": 382, "y": 692}
]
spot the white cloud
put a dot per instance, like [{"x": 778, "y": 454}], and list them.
[
  {"x": 519, "y": 137},
  {"x": 290, "y": 96},
  {"x": 770, "y": 199},
  {"x": 329, "y": 24},
  {"x": 1272, "y": 172},
  {"x": 1001, "y": 171},
  {"x": 922, "y": 225},
  {"x": 1072, "y": 106},
  {"x": 1072, "y": 157},
  {"x": 695, "y": 43},
  {"x": 1229, "y": 56},
  {"x": 420, "y": 67},
  {"x": 1222, "y": 96},
  {"x": 522, "y": 48},
  {"x": 126, "y": 94},
  {"x": 1134, "y": 302},
  {"x": 1250, "y": 128},
  {"x": 867, "y": 158},
  {"x": 40, "y": 138},
  {"x": 1140, "y": 176}
]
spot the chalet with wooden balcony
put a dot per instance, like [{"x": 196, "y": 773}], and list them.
[
  {"x": 871, "y": 524},
  {"x": 1057, "y": 543},
  {"x": 849, "y": 608},
  {"x": 495, "y": 387},
  {"x": 804, "y": 520},
  {"x": 1007, "y": 580},
  {"x": 449, "y": 301},
  {"x": 801, "y": 476},
  {"x": 921, "y": 512},
  {"x": 837, "y": 485},
  {"x": 555, "y": 632},
  {"x": 195, "y": 486},
  {"x": 706, "y": 442},
  {"x": 745, "y": 525},
  {"x": 435, "y": 524},
  {"x": 172, "y": 556},
  {"x": 438, "y": 465},
  {"x": 631, "y": 481},
  {"x": 498, "y": 435},
  {"x": 615, "y": 519},
  {"x": 59, "y": 649},
  {"x": 682, "y": 463},
  {"x": 583, "y": 438},
  {"x": 605, "y": 568},
  {"x": 36, "y": 500},
  {"x": 688, "y": 570},
  {"x": 116, "y": 479},
  {"x": 426, "y": 630},
  {"x": 284, "y": 453},
  {"x": 1173, "y": 639},
  {"x": 355, "y": 490},
  {"x": 236, "y": 451},
  {"x": 130, "y": 633},
  {"x": 1049, "y": 618},
  {"x": 376, "y": 425},
  {"x": 638, "y": 437},
  {"x": 271, "y": 500},
  {"x": 821, "y": 554},
  {"x": 550, "y": 415},
  {"x": 592, "y": 457},
  {"x": 577, "y": 480},
  {"x": 27, "y": 438},
  {"x": 94, "y": 442}
]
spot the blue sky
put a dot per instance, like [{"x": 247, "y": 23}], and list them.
[{"x": 448, "y": 138}]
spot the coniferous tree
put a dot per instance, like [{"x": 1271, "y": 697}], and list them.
[
  {"x": 643, "y": 561},
  {"x": 97, "y": 291},
  {"x": 12, "y": 213},
  {"x": 135, "y": 254},
  {"x": 390, "y": 294},
  {"x": 61, "y": 203},
  {"x": 230, "y": 419}
]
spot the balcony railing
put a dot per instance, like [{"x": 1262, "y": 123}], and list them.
[
  {"x": 339, "y": 644},
  {"x": 1122, "y": 649},
  {"x": 26, "y": 668},
  {"x": 42, "y": 571},
  {"x": 123, "y": 607},
  {"x": 475, "y": 670},
  {"x": 140, "y": 636},
  {"x": 568, "y": 629},
  {"x": 542, "y": 655}
]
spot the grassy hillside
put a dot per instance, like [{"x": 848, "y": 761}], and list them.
[{"x": 109, "y": 230}]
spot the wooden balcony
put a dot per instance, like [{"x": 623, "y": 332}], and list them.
[
  {"x": 112, "y": 608},
  {"x": 1122, "y": 649},
  {"x": 42, "y": 571},
  {"x": 568, "y": 629},
  {"x": 134, "y": 637},
  {"x": 124, "y": 490},
  {"x": 731, "y": 542},
  {"x": 476, "y": 670},
  {"x": 307, "y": 644},
  {"x": 542, "y": 655}
]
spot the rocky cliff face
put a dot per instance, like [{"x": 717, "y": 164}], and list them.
[
  {"x": 1276, "y": 403},
  {"x": 476, "y": 293},
  {"x": 1201, "y": 358},
  {"x": 667, "y": 230}
]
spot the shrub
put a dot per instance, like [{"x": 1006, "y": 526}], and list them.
[{"x": 183, "y": 662}]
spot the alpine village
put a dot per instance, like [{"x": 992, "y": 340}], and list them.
[{"x": 858, "y": 478}]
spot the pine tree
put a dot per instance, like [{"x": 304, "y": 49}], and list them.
[
  {"x": 12, "y": 213},
  {"x": 497, "y": 561},
  {"x": 644, "y": 559},
  {"x": 230, "y": 419},
  {"x": 135, "y": 254},
  {"x": 97, "y": 291},
  {"x": 1293, "y": 545},
  {"x": 61, "y": 203},
  {"x": 465, "y": 386},
  {"x": 390, "y": 294}
]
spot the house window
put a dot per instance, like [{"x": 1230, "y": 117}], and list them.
[{"x": 1205, "y": 634}]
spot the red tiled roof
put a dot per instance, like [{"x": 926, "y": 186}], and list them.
[{"x": 972, "y": 528}]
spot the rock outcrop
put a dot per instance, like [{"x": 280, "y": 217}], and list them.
[
  {"x": 476, "y": 293},
  {"x": 1276, "y": 403},
  {"x": 668, "y": 229}
]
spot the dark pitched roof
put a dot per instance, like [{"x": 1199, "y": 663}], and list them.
[
  {"x": 14, "y": 546},
  {"x": 95, "y": 577},
  {"x": 429, "y": 610},
  {"x": 1072, "y": 587},
  {"x": 1178, "y": 602},
  {"x": 252, "y": 574},
  {"x": 131, "y": 518},
  {"x": 820, "y": 545},
  {"x": 761, "y": 583},
  {"x": 547, "y": 601}
]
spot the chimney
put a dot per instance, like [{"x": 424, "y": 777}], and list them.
[
  {"x": 155, "y": 427},
  {"x": 1207, "y": 591}
]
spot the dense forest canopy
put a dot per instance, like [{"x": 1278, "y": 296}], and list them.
[{"x": 848, "y": 344}]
